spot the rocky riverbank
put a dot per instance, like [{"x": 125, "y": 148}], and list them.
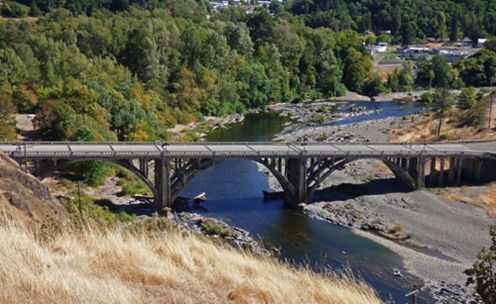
[
  {"x": 437, "y": 238},
  {"x": 217, "y": 229},
  {"x": 201, "y": 128}
]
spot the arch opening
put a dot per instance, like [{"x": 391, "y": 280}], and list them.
[
  {"x": 379, "y": 167},
  {"x": 61, "y": 165},
  {"x": 229, "y": 173}
]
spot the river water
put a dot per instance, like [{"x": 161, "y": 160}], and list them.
[{"x": 234, "y": 195}]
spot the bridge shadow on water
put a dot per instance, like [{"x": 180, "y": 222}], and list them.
[{"x": 347, "y": 191}]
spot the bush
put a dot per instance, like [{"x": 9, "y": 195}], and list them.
[
  {"x": 482, "y": 274},
  {"x": 83, "y": 208},
  {"x": 396, "y": 229},
  {"x": 212, "y": 227},
  {"x": 426, "y": 98}
]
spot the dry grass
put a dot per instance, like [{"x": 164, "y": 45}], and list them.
[
  {"x": 116, "y": 267},
  {"x": 485, "y": 199},
  {"x": 425, "y": 127}
]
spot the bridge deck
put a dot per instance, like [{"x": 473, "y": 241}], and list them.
[{"x": 45, "y": 150}]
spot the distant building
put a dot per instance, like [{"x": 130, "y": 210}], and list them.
[
  {"x": 481, "y": 41},
  {"x": 450, "y": 55},
  {"x": 380, "y": 47},
  {"x": 415, "y": 52}
]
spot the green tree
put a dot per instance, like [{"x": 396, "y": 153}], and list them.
[
  {"x": 34, "y": 9},
  {"x": 7, "y": 109},
  {"x": 54, "y": 119},
  {"x": 482, "y": 274},
  {"x": 443, "y": 104},
  {"x": 443, "y": 77},
  {"x": 454, "y": 26},
  {"x": 261, "y": 25},
  {"x": 373, "y": 85},
  {"x": 467, "y": 98},
  {"x": 12, "y": 68},
  {"x": 408, "y": 33},
  {"x": 490, "y": 44},
  {"x": 357, "y": 68}
]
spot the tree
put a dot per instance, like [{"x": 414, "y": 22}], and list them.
[
  {"x": 357, "y": 68},
  {"x": 443, "y": 104},
  {"x": 490, "y": 44},
  {"x": 373, "y": 85},
  {"x": 482, "y": 274},
  {"x": 455, "y": 26},
  {"x": 34, "y": 9},
  {"x": 443, "y": 77},
  {"x": 7, "y": 109},
  {"x": 425, "y": 74},
  {"x": 467, "y": 98},
  {"x": 260, "y": 25},
  {"x": 407, "y": 33}
]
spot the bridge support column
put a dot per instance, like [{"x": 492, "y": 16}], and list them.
[
  {"x": 144, "y": 167},
  {"x": 296, "y": 170},
  {"x": 412, "y": 168},
  {"x": 441, "y": 172},
  {"x": 451, "y": 171},
  {"x": 459, "y": 170},
  {"x": 38, "y": 171},
  {"x": 163, "y": 185},
  {"x": 421, "y": 172},
  {"x": 433, "y": 171}
]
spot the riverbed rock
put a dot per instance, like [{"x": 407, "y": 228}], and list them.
[{"x": 217, "y": 229}]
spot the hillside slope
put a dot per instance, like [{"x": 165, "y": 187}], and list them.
[{"x": 24, "y": 199}]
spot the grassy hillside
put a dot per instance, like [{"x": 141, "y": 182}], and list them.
[{"x": 117, "y": 267}]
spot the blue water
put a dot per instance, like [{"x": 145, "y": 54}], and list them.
[
  {"x": 386, "y": 110},
  {"x": 234, "y": 195}
]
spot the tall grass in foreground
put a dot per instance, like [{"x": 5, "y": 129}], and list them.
[{"x": 116, "y": 267}]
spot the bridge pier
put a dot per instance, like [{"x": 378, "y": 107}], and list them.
[
  {"x": 163, "y": 199},
  {"x": 421, "y": 172},
  {"x": 433, "y": 172},
  {"x": 459, "y": 171},
  {"x": 296, "y": 174},
  {"x": 451, "y": 170},
  {"x": 441, "y": 172}
]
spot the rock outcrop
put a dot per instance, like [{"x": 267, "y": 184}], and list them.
[{"x": 24, "y": 199}]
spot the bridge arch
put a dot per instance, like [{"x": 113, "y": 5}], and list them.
[
  {"x": 329, "y": 166},
  {"x": 62, "y": 164},
  {"x": 181, "y": 178}
]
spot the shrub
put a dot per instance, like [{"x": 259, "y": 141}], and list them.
[
  {"x": 396, "y": 229},
  {"x": 482, "y": 274},
  {"x": 426, "y": 98},
  {"x": 212, "y": 227}
]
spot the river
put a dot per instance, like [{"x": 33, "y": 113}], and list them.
[{"x": 234, "y": 195}]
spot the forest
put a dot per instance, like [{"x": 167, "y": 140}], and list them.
[{"x": 128, "y": 70}]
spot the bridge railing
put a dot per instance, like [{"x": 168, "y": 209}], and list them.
[{"x": 23, "y": 150}]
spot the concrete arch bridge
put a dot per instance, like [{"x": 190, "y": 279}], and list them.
[{"x": 300, "y": 168}]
